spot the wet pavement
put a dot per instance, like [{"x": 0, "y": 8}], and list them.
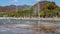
[
  {"x": 25, "y": 28},
  {"x": 15, "y": 29},
  {"x": 20, "y": 29}
]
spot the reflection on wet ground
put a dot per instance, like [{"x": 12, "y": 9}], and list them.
[
  {"x": 13, "y": 30},
  {"x": 25, "y": 28},
  {"x": 56, "y": 24},
  {"x": 20, "y": 29},
  {"x": 16, "y": 29}
]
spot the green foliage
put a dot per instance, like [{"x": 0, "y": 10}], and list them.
[
  {"x": 50, "y": 10},
  {"x": 12, "y": 14},
  {"x": 42, "y": 13},
  {"x": 25, "y": 13}
]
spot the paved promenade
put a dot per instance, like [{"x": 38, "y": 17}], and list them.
[{"x": 28, "y": 18}]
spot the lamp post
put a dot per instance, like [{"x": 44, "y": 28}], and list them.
[
  {"x": 38, "y": 12},
  {"x": 38, "y": 24},
  {"x": 16, "y": 8},
  {"x": 16, "y": 11}
]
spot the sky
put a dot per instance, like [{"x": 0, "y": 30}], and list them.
[{"x": 23, "y": 2}]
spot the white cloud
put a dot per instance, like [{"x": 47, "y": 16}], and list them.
[
  {"x": 38, "y": 0},
  {"x": 15, "y": 0}
]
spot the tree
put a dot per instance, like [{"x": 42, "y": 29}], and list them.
[{"x": 50, "y": 10}]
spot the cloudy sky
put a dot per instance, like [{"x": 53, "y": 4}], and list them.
[{"x": 22, "y": 2}]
